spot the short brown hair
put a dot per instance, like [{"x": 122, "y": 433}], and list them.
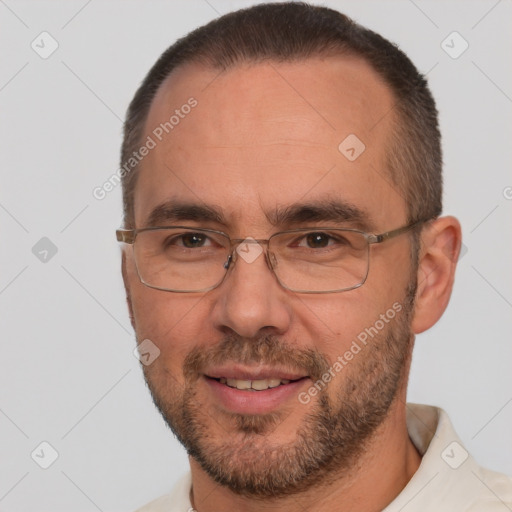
[{"x": 292, "y": 31}]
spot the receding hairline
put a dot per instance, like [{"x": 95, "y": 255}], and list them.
[
  {"x": 205, "y": 64},
  {"x": 198, "y": 66},
  {"x": 295, "y": 32}
]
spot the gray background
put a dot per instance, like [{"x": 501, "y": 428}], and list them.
[{"x": 67, "y": 372}]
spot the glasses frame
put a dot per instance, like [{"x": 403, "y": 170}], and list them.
[{"x": 129, "y": 236}]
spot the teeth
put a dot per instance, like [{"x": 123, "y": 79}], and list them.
[
  {"x": 239, "y": 384},
  {"x": 265, "y": 384},
  {"x": 257, "y": 385}
]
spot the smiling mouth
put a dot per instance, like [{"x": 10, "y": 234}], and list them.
[{"x": 255, "y": 385}]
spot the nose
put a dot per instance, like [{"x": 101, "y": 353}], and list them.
[{"x": 250, "y": 300}]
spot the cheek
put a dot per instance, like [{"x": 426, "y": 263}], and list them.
[
  {"x": 392, "y": 273},
  {"x": 333, "y": 322},
  {"x": 173, "y": 322}
]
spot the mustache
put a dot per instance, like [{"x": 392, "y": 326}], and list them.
[{"x": 268, "y": 350}]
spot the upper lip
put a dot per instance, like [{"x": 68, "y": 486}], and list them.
[{"x": 240, "y": 372}]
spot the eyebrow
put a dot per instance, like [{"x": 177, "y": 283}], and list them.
[
  {"x": 176, "y": 211},
  {"x": 328, "y": 210}
]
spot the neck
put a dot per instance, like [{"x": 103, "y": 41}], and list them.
[{"x": 379, "y": 475}]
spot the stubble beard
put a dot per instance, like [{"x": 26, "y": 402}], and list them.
[{"x": 237, "y": 450}]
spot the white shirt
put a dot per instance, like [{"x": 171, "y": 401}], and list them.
[{"x": 448, "y": 479}]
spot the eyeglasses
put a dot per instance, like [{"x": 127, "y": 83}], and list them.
[{"x": 185, "y": 259}]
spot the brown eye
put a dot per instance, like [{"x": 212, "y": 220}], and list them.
[
  {"x": 193, "y": 240},
  {"x": 317, "y": 240}
]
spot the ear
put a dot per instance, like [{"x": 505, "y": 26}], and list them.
[
  {"x": 127, "y": 289},
  {"x": 439, "y": 252}
]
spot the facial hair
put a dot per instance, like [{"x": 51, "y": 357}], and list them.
[{"x": 238, "y": 451}]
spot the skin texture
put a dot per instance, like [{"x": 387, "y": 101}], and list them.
[{"x": 266, "y": 136}]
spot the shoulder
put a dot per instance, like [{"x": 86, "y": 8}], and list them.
[
  {"x": 491, "y": 491},
  {"x": 448, "y": 478},
  {"x": 176, "y": 501}
]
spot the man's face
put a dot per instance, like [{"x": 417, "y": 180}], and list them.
[{"x": 263, "y": 139}]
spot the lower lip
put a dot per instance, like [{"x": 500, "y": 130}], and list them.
[{"x": 254, "y": 402}]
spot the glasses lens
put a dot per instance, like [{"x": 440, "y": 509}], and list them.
[
  {"x": 320, "y": 261},
  {"x": 181, "y": 259}
]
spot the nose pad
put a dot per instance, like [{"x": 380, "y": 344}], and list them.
[
  {"x": 272, "y": 260},
  {"x": 227, "y": 263}
]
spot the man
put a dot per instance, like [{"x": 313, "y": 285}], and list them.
[{"x": 283, "y": 246}]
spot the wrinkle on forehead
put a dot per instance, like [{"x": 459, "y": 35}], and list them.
[
  {"x": 271, "y": 130},
  {"x": 297, "y": 96}
]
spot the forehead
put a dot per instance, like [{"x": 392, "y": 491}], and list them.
[{"x": 263, "y": 135}]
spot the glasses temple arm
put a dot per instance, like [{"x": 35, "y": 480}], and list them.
[
  {"x": 377, "y": 239},
  {"x": 125, "y": 235}
]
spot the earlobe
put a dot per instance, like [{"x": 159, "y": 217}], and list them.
[
  {"x": 439, "y": 252},
  {"x": 127, "y": 289}
]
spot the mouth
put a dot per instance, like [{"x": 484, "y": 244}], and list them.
[
  {"x": 255, "y": 385},
  {"x": 253, "y": 390}
]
